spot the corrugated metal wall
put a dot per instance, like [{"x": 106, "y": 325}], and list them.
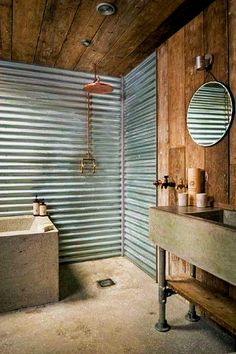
[
  {"x": 140, "y": 162},
  {"x": 42, "y": 139}
]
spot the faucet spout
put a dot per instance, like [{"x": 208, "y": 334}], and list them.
[{"x": 164, "y": 184}]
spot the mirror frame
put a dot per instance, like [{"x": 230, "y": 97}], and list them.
[{"x": 231, "y": 97}]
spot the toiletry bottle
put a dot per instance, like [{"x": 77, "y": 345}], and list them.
[
  {"x": 42, "y": 208},
  {"x": 36, "y": 206}
]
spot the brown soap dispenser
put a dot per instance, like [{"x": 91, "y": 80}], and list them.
[
  {"x": 42, "y": 208},
  {"x": 36, "y": 206}
]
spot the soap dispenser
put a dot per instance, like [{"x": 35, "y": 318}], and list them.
[
  {"x": 36, "y": 206},
  {"x": 42, "y": 208}
]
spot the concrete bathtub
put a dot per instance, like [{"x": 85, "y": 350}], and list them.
[{"x": 28, "y": 262}]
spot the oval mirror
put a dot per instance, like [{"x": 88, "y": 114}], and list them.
[{"x": 209, "y": 113}]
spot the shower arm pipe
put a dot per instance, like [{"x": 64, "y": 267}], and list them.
[
  {"x": 95, "y": 72},
  {"x": 88, "y": 122}
]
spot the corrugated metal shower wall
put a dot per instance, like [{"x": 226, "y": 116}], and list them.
[
  {"x": 42, "y": 138},
  {"x": 140, "y": 162}
]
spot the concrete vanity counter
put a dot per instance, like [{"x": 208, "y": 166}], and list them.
[
  {"x": 199, "y": 236},
  {"x": 205, "y": 238}
]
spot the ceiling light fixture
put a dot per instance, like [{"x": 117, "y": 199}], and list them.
[{"x": 106, "y": 9}]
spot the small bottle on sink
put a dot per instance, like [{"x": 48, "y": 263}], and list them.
[
  {"x": 42, "y": 208},
  {"x": 36, "y": 206}
]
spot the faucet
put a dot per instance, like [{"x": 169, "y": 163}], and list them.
[
  {"x": 181, "y": 184},
  {"x": 164, "y": 184}
]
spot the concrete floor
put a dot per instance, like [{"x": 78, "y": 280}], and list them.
[{"x": 115, "y": 320}]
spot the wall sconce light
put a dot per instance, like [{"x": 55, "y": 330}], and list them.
[{"x": 204, "y": 62}]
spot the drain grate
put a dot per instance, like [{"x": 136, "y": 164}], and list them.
[{"x": 105, "y": 282}]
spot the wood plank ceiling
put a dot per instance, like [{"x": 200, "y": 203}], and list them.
[{"x": 49, "y": 32}]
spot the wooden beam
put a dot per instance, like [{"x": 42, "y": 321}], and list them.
[
  {"x": 5, "y": 29},
  {"x": 57, "y": 20},
  {"x": 27, "y": 15}
]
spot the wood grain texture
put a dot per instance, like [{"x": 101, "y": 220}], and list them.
[
  {"x": 178, "y": 265},
  {"x": 181, "y": 16},
  {"x": 193, "y": 44},
  {"x": 212, "y": 282},
  {"x": 143, "y": 24},
  {"x": 216, "y": 41},
  {"x": 111, "y": 29},
  {"x": 49, "y": 32},
  {"x": 85, "y": 26},
  {"x": 232, "y": 83},
  {"x": 57, "y": 21},
  {"x": 232, "y": 292},
  {"x": 232, "y": 70},
  {"x": 176, "y": 79},
  {"x": 233, "y": 184},
  {"x": 177, "y": 169},
  {"x": 162, "y": 121},
  {"x": 5, "y": 29},
  {"x": 219, "y": 308},
  {"x": 198, "y": 41},
  {"x": 27, "y": 15}
]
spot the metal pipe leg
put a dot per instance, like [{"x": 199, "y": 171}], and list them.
[
  {"x": 192, "y": 315},
  {"x": 162, "y": 325}
]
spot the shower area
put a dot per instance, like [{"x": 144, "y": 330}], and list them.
[{"x": 44, "y": 132}]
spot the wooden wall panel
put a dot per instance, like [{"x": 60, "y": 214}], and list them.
[
  {"x": 176, "y": 169},
  {"x": 232, "y": 83},
  {"x": 208, "y": 32},
  {"x": 177, "y": 122},
  {"x": 193, "y": 44},
  {"x": 216, "y": 43},
  {"x": 176, "y": 77},
  {"x": 162, "y": 122}
]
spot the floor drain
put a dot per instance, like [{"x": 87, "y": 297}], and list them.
[{"x": 105, "y": 282}]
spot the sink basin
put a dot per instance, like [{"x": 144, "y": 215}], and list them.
[
  {"x": 223, "y": 216},
  {"x": 205, "y": 237}
]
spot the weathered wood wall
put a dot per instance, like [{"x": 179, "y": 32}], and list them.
[{"x": 213, "y": 31}]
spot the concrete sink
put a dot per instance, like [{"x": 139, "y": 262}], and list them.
[{"x": 203, "y": 237}]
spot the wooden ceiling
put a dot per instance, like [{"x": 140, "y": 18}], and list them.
[{"x": 49, "y": 32}]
